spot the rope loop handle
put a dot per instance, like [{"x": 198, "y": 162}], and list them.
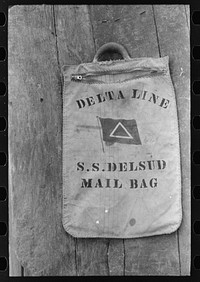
[{"x": 109, "y": 49}]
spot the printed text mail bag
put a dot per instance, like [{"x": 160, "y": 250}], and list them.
[{"x": 121, "y": 155}]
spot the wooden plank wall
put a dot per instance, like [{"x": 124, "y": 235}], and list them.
[{"x": 41, "y": 39}]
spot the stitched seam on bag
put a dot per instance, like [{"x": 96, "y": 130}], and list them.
[
  {"x": 113, "y": 62},
  {"x": 177, "y": 134},
  {"x": 83, "y": 235},
  {"x": 176, "y": 123}
]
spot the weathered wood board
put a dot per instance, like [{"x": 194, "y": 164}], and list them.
[
  {"x": 173, "y": 34},
  {"x": 41, "y": 39}
]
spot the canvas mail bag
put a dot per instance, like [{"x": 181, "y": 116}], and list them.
[{"x": 121, "y": 155}]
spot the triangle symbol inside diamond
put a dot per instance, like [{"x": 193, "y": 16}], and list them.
[{"x": 120, "y": 132}]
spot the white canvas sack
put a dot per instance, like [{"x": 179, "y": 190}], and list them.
[{"x": 121, "y": 154}]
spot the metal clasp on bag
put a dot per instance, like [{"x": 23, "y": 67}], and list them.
[
  {"x": 76, "y": 77},
  {"x": 89, "y": 77}
]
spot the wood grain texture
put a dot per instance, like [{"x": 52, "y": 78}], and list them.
[
  {"x": 134, "y": 27},
  {"x": 15, "y": 268},
  {"x": 41, "y": 40},
  {"x": 157, "y": 255},
  {"x": 91, "y": 257},
  {"x": 14, "y": 264},
  {"x": 74, "y": 34},
  {"x": 129, "y": 25},
  {"x": 116, "y": 257},
  {"x": 75, "y": 45},
  {"x": 187, "y": 11},
  {"x": 173, "y": 35},
  {"x": 35, "y": 116}
]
